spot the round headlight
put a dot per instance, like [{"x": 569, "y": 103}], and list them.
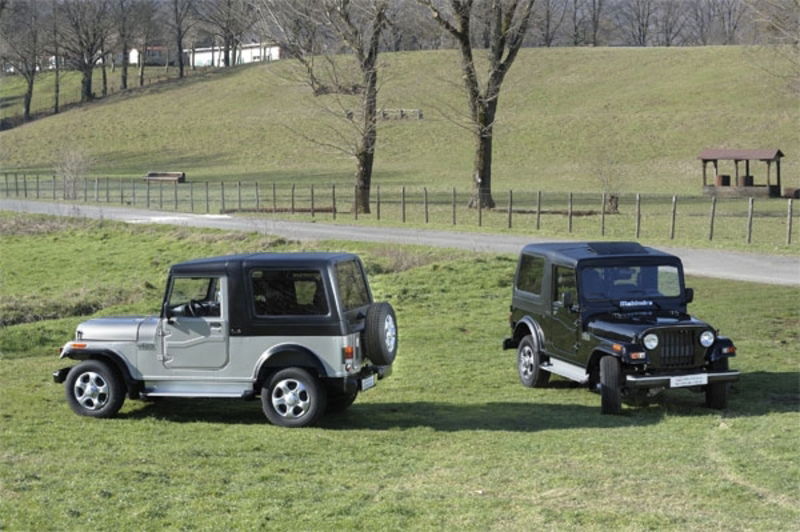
[
  {"x": 706, "y": 338},
  {"x": 651, "y": 341}
]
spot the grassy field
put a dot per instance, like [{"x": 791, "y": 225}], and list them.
[
  {"x": 451, "y": 440},
  {"x": 639, "y": 117}
]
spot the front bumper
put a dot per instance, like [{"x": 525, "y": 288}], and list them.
[{"x": 665, "y": 381}]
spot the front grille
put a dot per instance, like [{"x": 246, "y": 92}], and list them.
[{"x": 677, "y": 348}]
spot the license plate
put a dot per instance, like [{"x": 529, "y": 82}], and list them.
[
  {"x": 367, "y": 383},
  {"x": 700, "y": 379}
]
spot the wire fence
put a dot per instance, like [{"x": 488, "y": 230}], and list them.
[{"x": 622, "y": 216}]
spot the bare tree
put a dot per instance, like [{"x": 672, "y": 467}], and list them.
[
  {"x": 636, "y": 20},
  {"x": 701, "y": 20},
  {"x": 577, "y": 18},
  {"x": 228, "y": 20},
  {"x": 671, "y": 17},
  {"x": 86, "y": 24},
  {"x": 23, "y": 45},
  {"x": 595, "y": 18},
  {"x": 549, "y": 18},
  {"x": 729, "y": 14},
  {"x": 181, "y": 16},
  {"x": 509, "y": 22},
  {"x": 124, "y": 18},
  {"x": 779, "y": 21},
  {"x": 54, "y": 47},
  {"x": 147, "y": 30}
]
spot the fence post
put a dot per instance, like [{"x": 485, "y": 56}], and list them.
[
  {"x": 711, "y": 218},
  {"x": 403, "y": 203},
  {"x": 312, "y": 200},
  {"x": 480, "y": 210},
  {"x": 37, "y": 186},
  {"x": 510, "y": 206},
  {"x": 96, "y": 189},
  {"x": 86, "y": 190},
  {"x": 239, "y": 195},
  {"x": 378, "y": 203},
  {"x": 355, "y": 202},
  {"x": 789, "y": 223},
  {"x": 133, "y": 192},
  {"x": 292, "y": 210},
  {"x": 425, "y": 201},
  {"x": 222, "y": 196},
  {"x": 208, "y": 201},
  {"x": 333, "y": 199},
  {"x": 274, "y": 200},
  {"x": 454, "y": 205},
  {"x": 603, "y": 215},
  {"x": 16, "y": 186},
  {"x": 638, "y": 215},
  {"x": 121, "y": 192},
  {"x": 24, "y": 186},
  {"x": 6, "y": 189},
  {"x": 538, "y": 209},
  {"x": 108, "y": 192},
  {"x": 147, "y": 190},
  {"x": 191, "y": 196},
  {"x": 674, "y": 214},
  {"x": 175, "y": 193},
  {"x": 258, "y": 198},
  {"x": 54, "y": 185},
  {"x": 750, "y": 220},
  {"x": 569, "y": 213},
  {"x": 64, "y": 188}
]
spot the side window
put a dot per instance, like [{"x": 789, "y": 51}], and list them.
[
  {"x": 202, "y": 293},
  {"x": 564, "y": 282},
  {"x": 351, "y": 285},
  {"x": 288, "y": 293},
  {"x": 531, "y": 271}
]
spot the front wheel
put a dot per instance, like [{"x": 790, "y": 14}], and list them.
[
  {"x": 293, "y": 397},
  {"x": 94, "y": 389},
  {"x": 529, "y": 362},
  {"x": 610, "y": 387},
  {"x": 717, "y": 392}
]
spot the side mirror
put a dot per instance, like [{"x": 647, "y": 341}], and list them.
[
  {"x": 566, "y": 299},
  {"x": 689, "y": 295},
  {"x": 167, "y": 313}
]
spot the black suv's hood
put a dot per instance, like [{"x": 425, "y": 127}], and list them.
[{"x": 626, "y": 327}]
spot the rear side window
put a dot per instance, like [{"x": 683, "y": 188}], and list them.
[
  {"x": 288, "y": 293},
  {"x": 531, "y": 271},
  {"x": 352, "y": 285}
]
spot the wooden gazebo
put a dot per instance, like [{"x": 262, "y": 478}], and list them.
[{"x": 741, "y": 185}]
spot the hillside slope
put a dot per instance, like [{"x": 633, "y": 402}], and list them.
[{"x": 567, "y": 116}]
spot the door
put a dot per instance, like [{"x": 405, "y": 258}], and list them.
[
  {"x": 561, "y": 336},
  {"x": 196, "y": 325}
]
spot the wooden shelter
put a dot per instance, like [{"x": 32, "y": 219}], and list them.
[{"x": 742, "y": 185}]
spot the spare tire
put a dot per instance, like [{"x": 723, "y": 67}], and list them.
[{"x": 380, "y": 334}]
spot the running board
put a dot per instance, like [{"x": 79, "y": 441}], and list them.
[
  {"x": 565, "y": 369},
  {"x": 211, "y": 395}
]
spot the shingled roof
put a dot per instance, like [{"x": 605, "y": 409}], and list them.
[{"x": 740, "y": 155}]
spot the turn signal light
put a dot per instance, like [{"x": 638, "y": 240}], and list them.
[
  {"x": 728, "y": 350},
  {"x": 77, "y": 346},
  {"x": 348, "y": 352},
  {"x": 638, "y": 356},
  {"x": 618, "y": 348}
]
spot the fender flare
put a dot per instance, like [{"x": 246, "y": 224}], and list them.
[
  {"x": 532, "y": 327},
  {"x": 715, "y": 353},
  {"x": 284, "y": 356},
  {"x": 114, "y": 359}
]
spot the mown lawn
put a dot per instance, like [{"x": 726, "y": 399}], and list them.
[{"x": 450, "y": 440}]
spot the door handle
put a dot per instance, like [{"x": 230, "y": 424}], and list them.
[{"x": 215, "y": 325}]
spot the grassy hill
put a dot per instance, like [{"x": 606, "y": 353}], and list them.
[{"x": 639, "y": 116}]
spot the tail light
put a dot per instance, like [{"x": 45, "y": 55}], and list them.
[{"x": 348, "y": 353}]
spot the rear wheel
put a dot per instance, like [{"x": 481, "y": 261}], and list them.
[
  {"x": 94, "y": 389},
  {"x": 717, "y": 392},
  {"x": 610, "y": 386},
  {"x": 293, "y": 397},
  {"x": 529, "y": 361}
]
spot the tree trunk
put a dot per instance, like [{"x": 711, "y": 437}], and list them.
[
  {"x": 123, "y": 78},
  {"x": 57, "y": 85},
  {"x": 142, "y": 60},
  {"x": 26, "y": 105},
  {"x": 104, "y": 75},
  {"x": 226, "y": 43},
  {"x": 482, "y": 169},
  {"x": 86, "y": 83},
  {"x": 365, "y": 155}
]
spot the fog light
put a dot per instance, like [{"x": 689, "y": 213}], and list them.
[
  {"x": 706, "y": 338},
  {"x": 651, "y": 341},
  {"x": 641, "y": 355}
]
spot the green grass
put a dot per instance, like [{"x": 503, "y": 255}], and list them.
[
  {"x": 451, "y": 440},
  {"x": 639, "y": 116}
]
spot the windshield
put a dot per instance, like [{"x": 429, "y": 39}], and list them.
[{"x": 618, "y": 283}]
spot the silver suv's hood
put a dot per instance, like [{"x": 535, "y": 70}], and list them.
[{"x": 118, "y": 329}]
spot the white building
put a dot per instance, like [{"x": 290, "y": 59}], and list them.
[{"x": 245, "y": 53}]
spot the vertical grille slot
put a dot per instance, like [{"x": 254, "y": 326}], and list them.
[{"x": 677, "y": 348}]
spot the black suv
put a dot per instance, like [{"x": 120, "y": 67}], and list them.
[{"x": 613, "y": 315}]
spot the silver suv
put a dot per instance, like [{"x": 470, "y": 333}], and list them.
[{"x": 300, "y": 330}]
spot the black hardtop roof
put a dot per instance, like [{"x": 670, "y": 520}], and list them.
[
  {"x": 571, "y": 253},
  {"x": 292, "y": 260}
]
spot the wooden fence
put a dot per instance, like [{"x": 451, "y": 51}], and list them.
[{"x": 624, "y": 216}]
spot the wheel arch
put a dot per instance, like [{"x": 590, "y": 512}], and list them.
[
  {"x": 593, "y": 366},
  {"x": 528, "y": 326},
  {"x": 285, "y": 356},
  {"x": 114, "y": 360}
]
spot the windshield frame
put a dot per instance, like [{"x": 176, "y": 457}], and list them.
[{"x": 669, "y": 301}]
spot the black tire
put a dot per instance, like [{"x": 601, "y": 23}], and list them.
[
  {"x": 293, "y": 397},
  {"x": 339, "y": 402},
  {"x": 94, "y": 389},
  {"x": 717, "y": 392},
  {"x": 380, "y": 334},
  {"x": 529, "y": 360},
  {"x": 610, "y": 385}
]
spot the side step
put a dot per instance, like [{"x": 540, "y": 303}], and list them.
[{"x": 565, "y": 369}]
